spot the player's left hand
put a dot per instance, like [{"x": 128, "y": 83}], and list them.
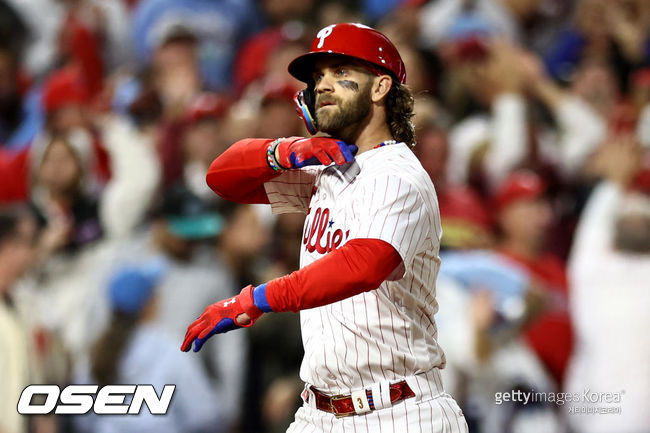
[
  {"x": 221, "y": 317},
  {"x": 298, "y": 152}
]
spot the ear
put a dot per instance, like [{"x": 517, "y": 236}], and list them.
[{"x": 381, "y": 87}]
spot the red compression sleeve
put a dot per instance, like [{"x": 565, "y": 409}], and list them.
[
  {"x": 358, "y": 266},
  {"x": 240, "y": 172}
]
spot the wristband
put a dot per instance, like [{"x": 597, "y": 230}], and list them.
[
  {"x": 247, "y": 303},
  {"x": 270, "y": 155},
  {"x": 259, "y": 299}
]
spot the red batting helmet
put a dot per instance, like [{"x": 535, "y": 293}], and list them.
[{"x": 352, "y": 40}]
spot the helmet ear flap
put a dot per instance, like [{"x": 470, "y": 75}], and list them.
[{"x": 305, "y": 101}]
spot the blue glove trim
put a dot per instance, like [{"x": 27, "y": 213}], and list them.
[
  {"x": 296, "y": 163},
  {"x": 347, "y": 151},
  {"x": 259, "y": 298},
  {"x": 224, "y": 325}
]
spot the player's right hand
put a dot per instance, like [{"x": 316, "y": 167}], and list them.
[
  {"x": 297, "y": 152},
  {"x": 221, "y": 317}
]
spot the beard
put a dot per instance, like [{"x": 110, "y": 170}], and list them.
[{"x": 334, "y": 120}]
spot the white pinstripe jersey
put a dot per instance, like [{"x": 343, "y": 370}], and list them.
[{"x": 388, "y": 333}]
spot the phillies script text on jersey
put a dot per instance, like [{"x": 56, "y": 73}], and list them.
[{"x": 318, "y": 228}]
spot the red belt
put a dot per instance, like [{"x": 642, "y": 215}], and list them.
[{"x": 342, "y": 405}]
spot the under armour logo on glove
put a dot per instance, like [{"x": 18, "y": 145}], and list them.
[{"x": 232, "y": 301}]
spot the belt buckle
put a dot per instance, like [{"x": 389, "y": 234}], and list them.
[{"x": 337, "y": 398}]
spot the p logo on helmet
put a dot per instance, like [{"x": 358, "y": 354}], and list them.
[{"x": 323, "y": 33}]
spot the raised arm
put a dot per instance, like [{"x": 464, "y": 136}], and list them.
[
  {"x": 135, "y": 176},
  {"x": 240, "y": 173},
  {"x": 618, "y": 161}
]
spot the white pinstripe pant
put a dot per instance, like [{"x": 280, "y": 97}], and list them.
[{"x": 440, "y": 414}]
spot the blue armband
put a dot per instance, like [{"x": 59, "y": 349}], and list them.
[{"x": 259, "y": 298}]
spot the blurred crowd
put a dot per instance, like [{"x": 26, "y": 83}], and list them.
[{"x": 532, "y": 119}]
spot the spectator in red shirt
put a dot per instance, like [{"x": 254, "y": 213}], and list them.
[{"x": 523, "y": 216}]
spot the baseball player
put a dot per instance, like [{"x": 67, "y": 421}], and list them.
[{"x": 366, "y": 285}]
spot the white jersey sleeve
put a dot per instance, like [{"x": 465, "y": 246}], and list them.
[
  {"x": 292, "y": 190},
  {"x": 392, "y": 209}
]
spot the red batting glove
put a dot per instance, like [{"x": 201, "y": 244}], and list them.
[
  {"x": 221, "y": 317},
  {"x": 297, "y": 152}
]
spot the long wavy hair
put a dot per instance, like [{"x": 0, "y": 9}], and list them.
[
  {"x": 107, "y": 351},
  {"x": 399, "y": 113}
]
